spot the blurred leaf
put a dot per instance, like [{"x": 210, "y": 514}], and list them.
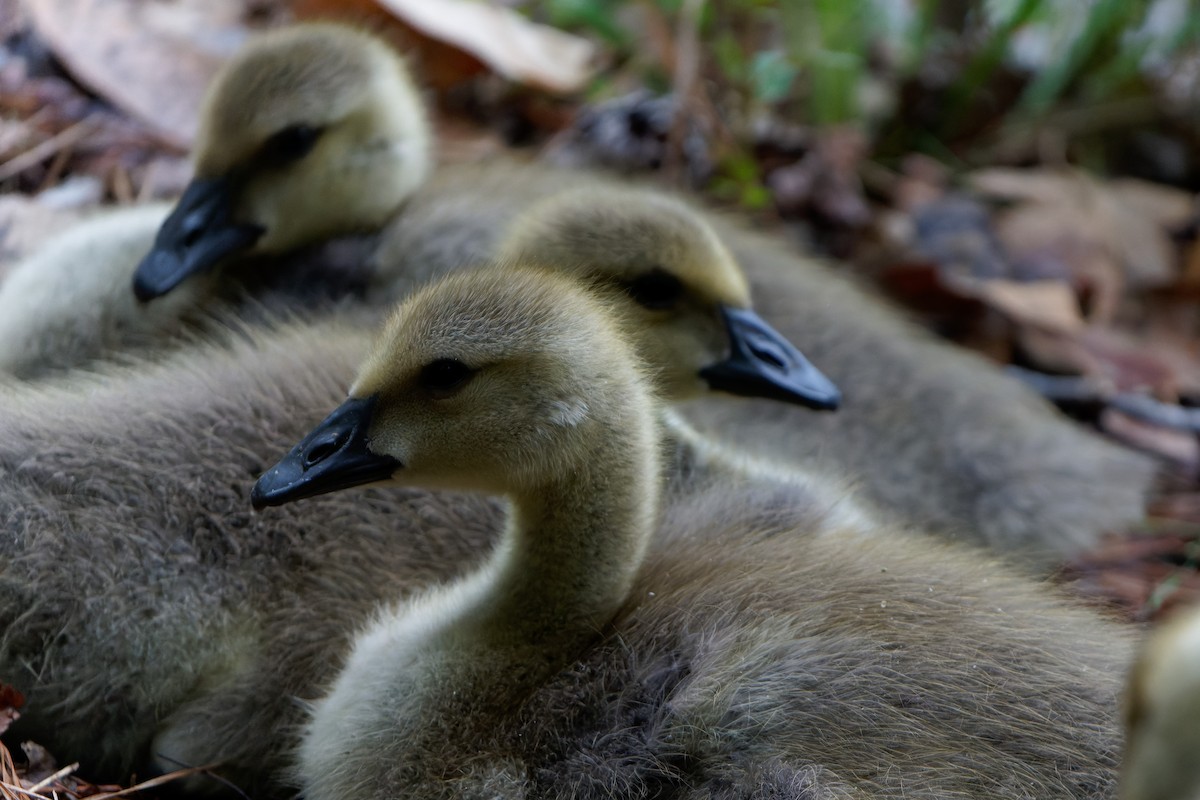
[
  {"x": 835, "y": 87},
  {"x": 1105, "y": 23},
  {"x": 152, "y": 60},
  {"x": 592, "y": 15},
  {"x": 1049, "y": 305},
  {"x": 985, "y": 62},
  {"x": 773, "y": 75},
  {"x": 738, "y": 181},
  {"x": 510, "y": 44},
  {"x": 731, "y": 56}
]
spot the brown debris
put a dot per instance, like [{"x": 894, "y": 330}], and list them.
[
  {"x": 1144, "y": 575},
  {"x": 10, "y": 701},
  {"x": 38, "y": 777},
  {"x": 825, "y": 182},
  {"x": 152, "y": 60}
]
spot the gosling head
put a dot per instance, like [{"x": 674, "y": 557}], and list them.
[
  {"x": 685, "y": 298},
  {"x": 492, "y": 380},
  {"x": 1162, "y": 748},
  {"x": 311, "y": 132}
]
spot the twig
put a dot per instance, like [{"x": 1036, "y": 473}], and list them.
[
  {"x": 122, "y": 186},
  {"x": 687, "y": 68},
  {"x": 8, "y": 774},
  {"x": 62, "y": 773},
  {"x": 1165, "y": 415},
  {"x": 57, "y": 166},
  {"x": 159, "y": 781},
  {"x": 18, "y": 789},
  {"x": 35, "y": 155},
  {"x": 212, "y": 775}
]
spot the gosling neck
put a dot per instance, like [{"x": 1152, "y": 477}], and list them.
[{"x": 573, "y": 543}]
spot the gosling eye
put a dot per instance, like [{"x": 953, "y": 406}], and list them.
[
  {"x": 291, "y": 144},
  {"x": 657, "y": 289},
  {"x": 445, "y": 376}
]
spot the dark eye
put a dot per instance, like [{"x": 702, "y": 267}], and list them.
[
  {"x": 657, "y": 289},
  {"x": 291, "y": 144},
  {"x": 444, "y": 376}
]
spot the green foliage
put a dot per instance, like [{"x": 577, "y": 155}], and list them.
[
  {"x": 1101, "y": 36},
  {"x": 772, "y": 74},
  {"x": 595, "y": 16},
  {"x": 999, "y": 65},
  {"x": 738, "y": 181}
]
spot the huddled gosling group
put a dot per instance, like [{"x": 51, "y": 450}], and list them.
[
  {"x": 943, "y": 441},
  {"x": 581, "y": 567}
]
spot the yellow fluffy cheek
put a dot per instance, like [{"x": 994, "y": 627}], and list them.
[
  {"x": 674, "y": 355},
  {"x": 303, "y": 205}
]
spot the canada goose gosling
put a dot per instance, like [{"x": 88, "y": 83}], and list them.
[
  {"x": 312, "y": 131},
  {"x": 545, "y": 405},
  {"x": 1162, "y": 749},
  {"x": 739, "y": 664},
  {"x": 687, "y": 299}
]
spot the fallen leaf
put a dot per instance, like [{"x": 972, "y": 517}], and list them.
[
  {"x": 1006, "y": 183},
  {"x": 1089, "y": 224},
  {"x": 1057, "y": 352},
  {"x": 152, "y": 60},
  {"x": 1049, "y": 305},
  {"x": 1166, "y": 206},
  {"x": 510, "y": 44}
]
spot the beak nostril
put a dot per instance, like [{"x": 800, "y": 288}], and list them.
[
  {"x": 323, "y": 449},
  {"x": 769, "y": 357}
]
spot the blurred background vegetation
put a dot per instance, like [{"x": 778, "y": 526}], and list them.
[{"x": 1112, "y": 85}]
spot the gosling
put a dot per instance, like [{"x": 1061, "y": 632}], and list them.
[
  {"x": 604, "y": 647},
  {"x": 1162, "y": 748}
]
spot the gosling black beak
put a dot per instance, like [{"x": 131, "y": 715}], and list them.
[
  {"x": 194, "y": 238},
  {"x": 334, "y": 456},
  {"x": 762, "y": 363}
]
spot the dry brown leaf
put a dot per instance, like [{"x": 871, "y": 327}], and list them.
[
  {"x": 439, "y": 66},
  {"x": 1049, "y": 305},
  {"x": 507, "y": 42},
  {"x": 1167, "y": 206},
  {"x": 1137, "y": 236},
  {"x": 1007, "y": 183},
  {"x": 1076, "y": 218},
  {"x": 1057, "y": 352},
  {"x": 152, "y": 60}
]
